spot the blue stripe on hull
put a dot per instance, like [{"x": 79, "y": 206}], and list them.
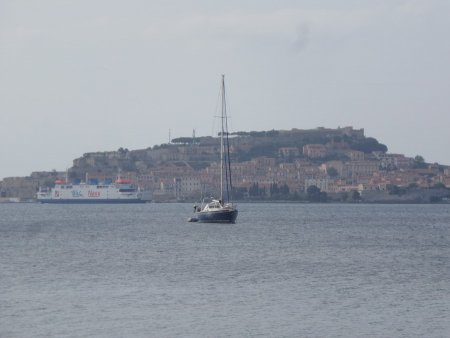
[
  {"x": 228, "y": 216},
  {"x": 92, "y": 201}
]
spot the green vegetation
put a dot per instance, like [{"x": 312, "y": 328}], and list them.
[
  {"x": 395, "y": 189},
  {"x": 315, "y": 195},
  {"x": 270, "y": 133},
  {"x": 183, "y": 140},
  {"x": 332, "y": 172},
  {"x": 419, "y": 162},
  {"x": 268, "y": 143},
  {"x": 256, "y": 191},
  {"x": 356, "y": 196},
  {"x": 366, "y": 145},
  {"x": 279, "y": 192}
]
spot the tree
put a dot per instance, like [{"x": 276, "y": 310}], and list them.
[
  {"x": 395, "y": 190},
  {"x": 332, "y": 172},
  {"x": 315, "y": 195},
  {"x": 284, "y": 189},
  {"x": 183, "y": 140},
  {"x": 274, "y": 189},
  {"x": 344, "y": 196},
  {"x": 239, "y": 193},
  {"x": 312, "y": 190},
  {"x": 337, "y": 138},
  {"x": 256, "y": 191},
  {"x": 419, "y": 159},
  {"x": 439, "y": 185},
  {"x": 435, "y": 199},
  {"x": 419, "y": 162},
  {"x": 356, "y": 196},
  {"x": 368, "y": 145}
]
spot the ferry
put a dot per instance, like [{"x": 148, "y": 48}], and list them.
[{"x": 92, "y": 191}]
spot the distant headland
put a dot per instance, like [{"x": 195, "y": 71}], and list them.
[{"x": 315, "y": 165}]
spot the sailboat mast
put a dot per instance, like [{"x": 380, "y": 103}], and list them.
[{"x": 221, "y": 137}]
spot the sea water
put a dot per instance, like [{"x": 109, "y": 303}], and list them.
[{"x": 283, "y": 270}]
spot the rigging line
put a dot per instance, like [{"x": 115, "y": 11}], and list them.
[
  {"x": 224, "y": 119},
  {"x": 228, "y": 170},
  {"x": 222, "y": 145},
  {"x": 226, "y": 180},
  {"x": 228, "y": 163},
  {"x": 228, "y": 157}
]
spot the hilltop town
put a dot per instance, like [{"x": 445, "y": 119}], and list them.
[{"x": 316, "y": 165}]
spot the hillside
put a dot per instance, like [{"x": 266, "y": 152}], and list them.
[
  {"x": 200, "y": 152},
  {"x": 316, "y": 165}
]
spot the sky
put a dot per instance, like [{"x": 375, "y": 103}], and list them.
[{"x": 79, "y": 76}]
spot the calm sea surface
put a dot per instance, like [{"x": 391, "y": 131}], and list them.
[{"x": 284, "y": 270}]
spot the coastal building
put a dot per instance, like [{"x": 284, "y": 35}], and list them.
[
  {"x": 354, "y": 155},
  {"x": 189, "y": 184},
  {"x": 289, "y": 152},
  {"x": 349, "y": 131},
  {"x": 22, "y": 188},
  {"x": 338, "y": 165},
  {"x": 354, "y": 169},
  {"x": 393, "y": 161},
  {"x": 315, "y": 150}
]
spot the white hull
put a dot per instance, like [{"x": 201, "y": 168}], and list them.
[{"x": 91, "y": 193}]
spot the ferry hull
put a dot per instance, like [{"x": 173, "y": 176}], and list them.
[{"x": 223, "y": 216}]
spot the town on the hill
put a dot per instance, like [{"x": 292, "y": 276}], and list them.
[{"x": 317, "y": 165}]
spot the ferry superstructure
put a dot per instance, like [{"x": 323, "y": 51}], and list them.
[{"x": 119, "y": 191}]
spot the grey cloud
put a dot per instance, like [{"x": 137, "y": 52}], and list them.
[{"x": 302, "y": 38}]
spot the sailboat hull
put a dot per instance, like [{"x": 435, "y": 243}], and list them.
[{"x": 217, "y": 216}]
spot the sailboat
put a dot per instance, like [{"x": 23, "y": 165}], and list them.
[{"x": 221, "y": 210}]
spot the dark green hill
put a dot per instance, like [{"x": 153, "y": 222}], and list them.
[{"x": 199, "y": 152}]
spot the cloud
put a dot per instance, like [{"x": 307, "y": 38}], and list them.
[{"x": 302, "y": 38}]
